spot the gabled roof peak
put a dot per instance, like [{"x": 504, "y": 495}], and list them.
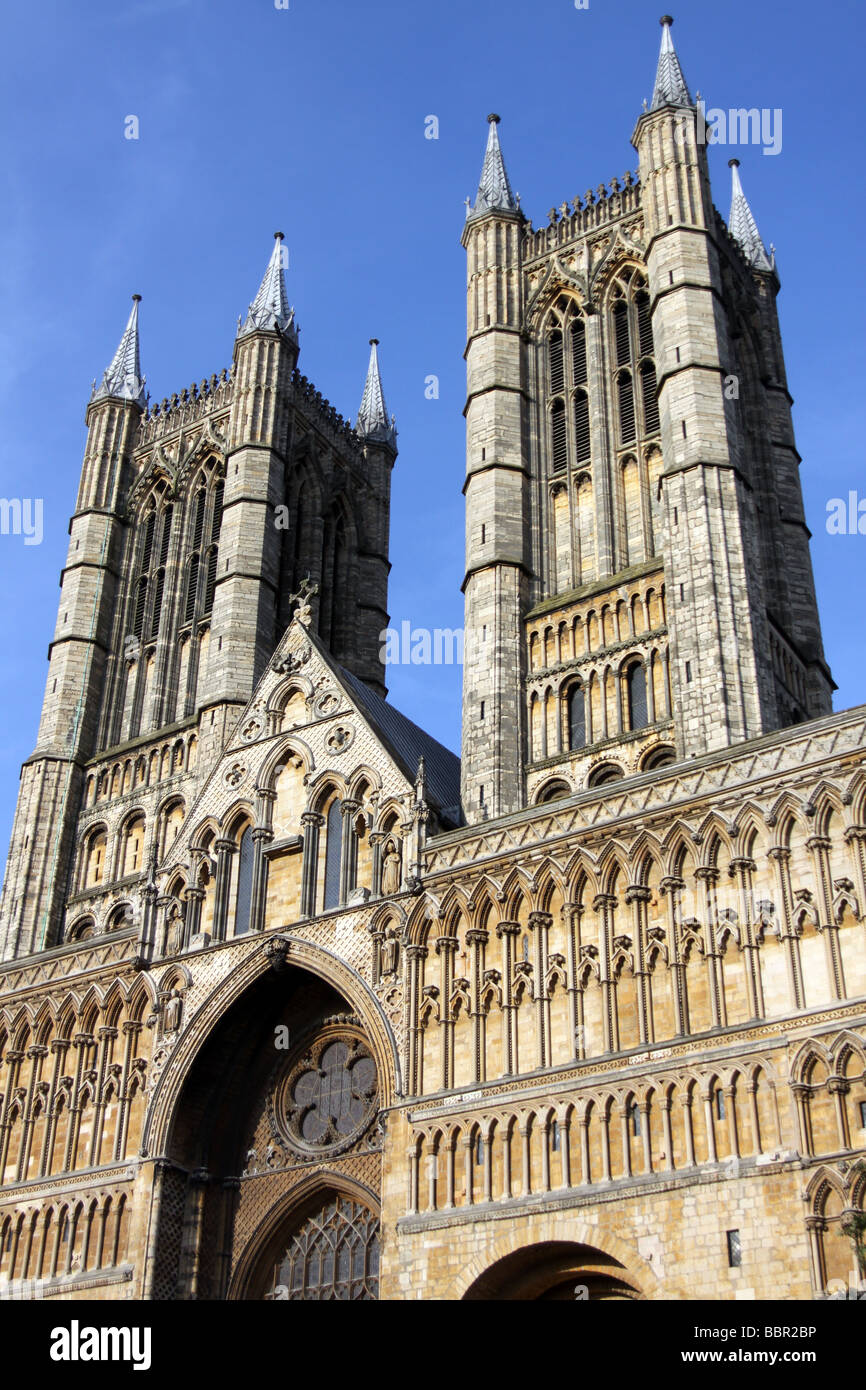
[
  {"x": 671, "y": 88},
  {"x": 122, "y": 378},
  {"x": 271, "y": 306},
  {"x": 373, "y": 422},
  {"x": 494, "y": 190},
  {"x": 742, "y": 224}
]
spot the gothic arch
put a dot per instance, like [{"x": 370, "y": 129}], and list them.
[
  {"x": 317, "y": 961},
  {"x": 502, "y": 1259}
]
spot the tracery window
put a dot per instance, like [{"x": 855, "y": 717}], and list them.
[
  {"x": 328, "y": 1095},
  {"x": 576, "y": 717},
  {"x": 632, "y": 354},
  {"x": 245, "y": 883},
  {"x": 636, "y": 696},
  {"x": 334, "y": 1256},
  {"x": 567, "y": 387},
  {"x": 333, "y": 847}
]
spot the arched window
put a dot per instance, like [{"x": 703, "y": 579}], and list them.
[
  {"x": 333, "y": 847},
  {"x": 620, "y": 333},
  {"x": 94, "y": 859},
  {"x": 658, "y": 757},
  {"x": 132, "y": 849},
  {"x": 158, "y": 587},
  {"x": 636, "y": 692},
  {"x": 245, "y": 883},
  {"x": 140, "y": 601},
  {"x": 147, "y": 545},
  {"x": 217, "y": 518},
  {"x": 552, "y": 791},
  {"x": 554, "y": 357},
  {"x": 604, "y": 773},
  {"x": 166, "y": 535},
  {"x": 625, "y": 399},
  {"x": 644, "y": 323},
  {"x": 210, "y": 580},
  {"x": 578, "y": 353},
  {"x": 560, "y": 444},
  {"x": 576, "y": 717},
  {"x": 581, "y": 427},
  {"x": 649, "y": 397},
  {"x": 334, "y": 1255},
  {"x": 191, "y": 589}
]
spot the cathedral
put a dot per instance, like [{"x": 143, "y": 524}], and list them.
[{"x": 297, "y": 1005}]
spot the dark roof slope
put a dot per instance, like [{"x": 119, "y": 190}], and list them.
[{"x": 408, "y": 744}]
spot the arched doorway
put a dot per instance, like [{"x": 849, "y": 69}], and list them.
[
  {"x": 555, "y": 1271},
  {"x": 274, "y": 1154}
]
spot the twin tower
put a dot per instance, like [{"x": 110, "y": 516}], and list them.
[{"x": 638, "y": 585}]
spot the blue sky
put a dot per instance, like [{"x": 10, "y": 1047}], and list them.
[{"x": 311, "y": 120}]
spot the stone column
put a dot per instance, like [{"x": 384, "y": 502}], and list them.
[
  {"x": 710, "y": 1127},
  {"x": 540, "y": 924},
  {"x": 476, "y": 940},
  {"x": 752, "y": 1093},
  {"x": 839, "y": 1088},
  {"x": 801, "y": 1094},
  {"x": 348, "y": 848},
  {"x": 508, "y": 933},
  {"x": 564, "y": 1154},
  {"x": 130, "y": 1030},
  {"x": 312, "y": 823},
  {"x": 819, "y": 847},
  {"x": 672, "y": 888},
  {"x": 781, "y": 857},
  {"x": 742, "y": 869},
  {"x": 194, "y": 898},
  {"x": 106, "y": 1037},
  {"x": 731, "y": 1111},
  {"x": 604, "y": 904},
  {"x": 585, "y": 1175},
  {"x": 637, "y": 897},
  {"x": 488, "y": 1167},
  {"x": 449, "y": 1172},
  {"x": 468, "y": 1174},
  {"x": 377, "y": 839},
  {"x": 259, "y": 892},
  {"x": 626, "y": 1140},
  {"x": 686, "y": 1103},
  {"x": 225, "y": 850},
  {"x": 446, "y": 950},
  {"x": 415, "y": 956},
  {"x": 708, "y": 877},
  {"x": 572, "y": 913},
  {"x": 668, "y": 1132}
]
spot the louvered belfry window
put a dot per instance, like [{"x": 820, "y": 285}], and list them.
[
  {"x": 568, "y": 405},
  {"x": 632, "y": 353},
  {"x": 560, "y": 441}
]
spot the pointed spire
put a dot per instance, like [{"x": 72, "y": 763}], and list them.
[
  {"x": 271, "y": 304},
  {"x": 742, "y": 224},
  {"x": 671, "y": 88},
  {"x": 373, "y": 422},
  {"x": 494, "y": 190},
  {"x": 122, "y": 378}
]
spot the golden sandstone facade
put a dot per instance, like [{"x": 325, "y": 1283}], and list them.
[{"x": 281, "y": 1018}]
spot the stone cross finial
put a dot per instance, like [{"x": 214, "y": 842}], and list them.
[{"x": 306, "y": 590}]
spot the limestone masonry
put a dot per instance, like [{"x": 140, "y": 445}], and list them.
[{"x": 295, "y": 1004}]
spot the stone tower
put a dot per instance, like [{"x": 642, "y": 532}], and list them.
[
  {"x": 198, "y": 523},
  {"x": 638, "y": 581}
]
